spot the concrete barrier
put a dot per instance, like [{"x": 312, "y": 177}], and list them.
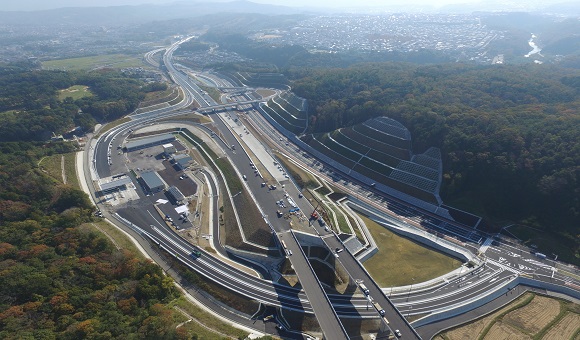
[{"x": 491, "y": 295}]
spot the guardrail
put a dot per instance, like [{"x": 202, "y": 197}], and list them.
[
  {"x": 320, "y": 285},
  {"x": 479, "y": 301}
]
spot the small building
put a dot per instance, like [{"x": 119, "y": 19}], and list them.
[
  {"x": 169, "y": 149},
  {"x": 148, "y": 142},
  {"x": 182, "y": 161},
  {"x": 152, "y": 182},
  {"x": 175, "y": 194},
  {"x": 115, "y": 185}
]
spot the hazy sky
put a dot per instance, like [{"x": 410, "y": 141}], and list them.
[{"x": 28, "y": 5}]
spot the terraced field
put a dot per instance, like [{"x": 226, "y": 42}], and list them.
[{"x": 530, "y": 316}]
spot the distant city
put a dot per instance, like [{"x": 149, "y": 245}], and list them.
[
  {"x": 478, "y": 37},
  {"x": 462, "y": 34}
]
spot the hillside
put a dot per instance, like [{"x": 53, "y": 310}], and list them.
[{"x": 509, "y": 135}]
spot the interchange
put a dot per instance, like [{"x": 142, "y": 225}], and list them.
[{"x": 265, "y": 291}]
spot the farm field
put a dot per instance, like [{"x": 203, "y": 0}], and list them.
[
  {"x": 92, "y": 62},
  {"x": 409, "y": 260},
  {"x": 531, "y": 316},
  {"x": 75, "y": 92}
]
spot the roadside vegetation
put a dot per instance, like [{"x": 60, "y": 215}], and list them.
[
  {"x": 70, "y": 170},
  {"x": 401, "y": 261},
  {"x": 255, "y": 229},
  {"x": 214, "y": 93},
  {"x": 113, "y": 124}
]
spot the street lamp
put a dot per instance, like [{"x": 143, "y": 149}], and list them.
[{"x": 410, "y": 288}]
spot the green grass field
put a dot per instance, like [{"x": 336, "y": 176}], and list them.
[
  {"x": 401, "y": 261},
  {"x": 75, "y": 92},
  {"x": 89, "y": 63},
  {"x": 71, "y": 170},
  {"x": 52, "y": 166}
]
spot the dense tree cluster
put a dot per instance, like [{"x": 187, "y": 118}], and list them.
[
  {"x": 30, "y": 109},
  {"x": 61, "y": 280},
  {"x": 510, "y": 135}
]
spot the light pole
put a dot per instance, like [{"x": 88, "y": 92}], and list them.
[{"x": 410, "y": 288}]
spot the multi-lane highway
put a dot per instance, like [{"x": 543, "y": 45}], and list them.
[{"x": 504, "y": 263}]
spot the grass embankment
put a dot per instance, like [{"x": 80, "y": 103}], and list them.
[
  {"x": 201, "y": 317},
  {"x": 401, "y": 261},
  {"x": 306, "y": 180},
  {"x": 156, "y": 97},
  {"x": 92, "y": 62},
  {"x": 52, "y": 166},
  {"x": 530, "y": 316},
  {"x": 214, "y": 93},
  {"x": 189, "y": 117},
  {"x": 564, "y": 245},
  {"x": 178, "y": 98},
  {"x": 70, "y": 170},
  {"x": 249, "y": 214},
  {"x": 302, "y": 178},
  {"x": 113, "y": 124},
  {"x": 209, "y": 321},
  {"x": 75, "y": 92},
  {"x": 121, "y": 240}
]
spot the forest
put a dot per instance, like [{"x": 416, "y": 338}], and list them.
[
  {"x": 509, "y": 134},
  {"x": 30, "y": 109},
  {"x": 59, "y": 277}
]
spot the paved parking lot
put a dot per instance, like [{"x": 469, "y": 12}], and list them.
[{"x": 171, "y": 176}]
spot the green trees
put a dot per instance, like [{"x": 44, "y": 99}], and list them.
[
  {"x": 509, "y": 134},
  {"x": 59, "y": 278},
  {"x": 30, "y": 110}
]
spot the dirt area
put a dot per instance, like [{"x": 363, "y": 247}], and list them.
[
  {"x": 501, "y": 330},
  {"x": 264, "y": 92},
  {"x": 535, "y": 316},
  {"x": 146, "y": 159},
  {"x": 564, "y": 329}
]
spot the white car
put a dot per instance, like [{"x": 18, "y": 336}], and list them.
[{"x": 398, "y": 333}]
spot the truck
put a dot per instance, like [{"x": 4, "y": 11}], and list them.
[
  {"x": 379, "y": 308},
  {"x": 542, "y": 256},
  {"x": 279, "y": 213},
  {"x": 363, "y": 288}
]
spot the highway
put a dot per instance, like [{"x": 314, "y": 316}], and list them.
[{"x": 504, "y": 262}]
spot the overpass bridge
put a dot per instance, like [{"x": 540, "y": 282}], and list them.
[{"x": 235, "y": 105}]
